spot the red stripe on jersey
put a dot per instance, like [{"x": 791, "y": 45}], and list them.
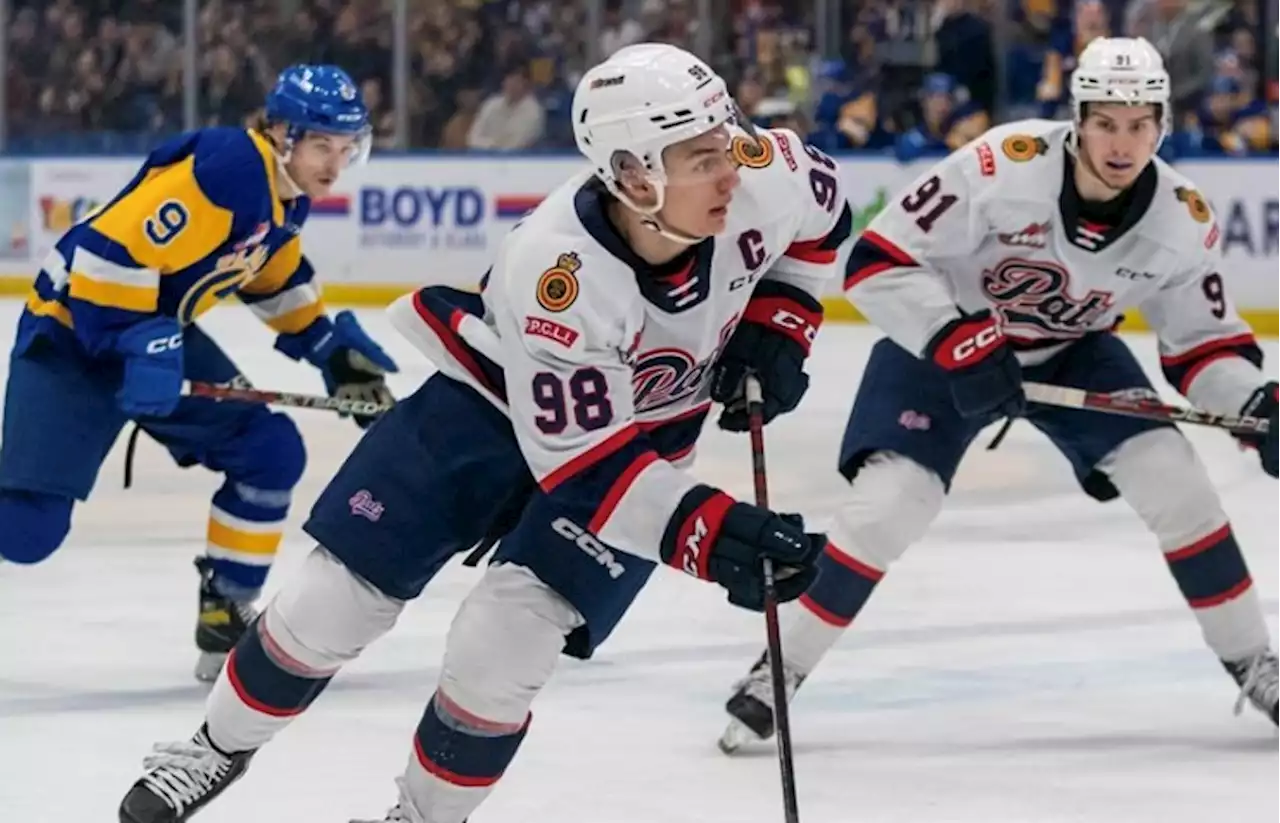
[
  {"x": 589, "y": 458},
  {"x": 886, "y": 255},
  {"x": 811, "y": 251},
  {"x": 452, "y": 343},
  {"x": 1187, "y": 379},
  {"x": 888, "y": 247},
  {"x": 1207, "y": 348},
  {"x": 650, "y": 425},
  {"x": 614, "y": 496}
]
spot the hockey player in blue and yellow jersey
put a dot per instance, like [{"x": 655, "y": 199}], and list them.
[{"x": 109, "y": 335}]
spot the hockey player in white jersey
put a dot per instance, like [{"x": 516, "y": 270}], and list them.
[
  {"x": 1014, "y": 257},
  {"x": 570, "y": 397}
]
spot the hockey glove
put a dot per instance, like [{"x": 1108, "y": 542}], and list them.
[
  {"x": 353, "y": 366},
  {"x": 984, "y": 373},
  {"x": 1263, "y": 403},
  {"x": 152, "y": 354},
  {"x": 772, "y": 342},
  {"x": 715, "y": 538}
]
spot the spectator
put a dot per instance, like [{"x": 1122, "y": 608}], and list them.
[
  {"x": 1225, "y": 125},
  {"x": 1066, "y": 42},
  {"x": 511, "y": 120},
  {"x": 1186, "y": 45},
  {"x": 616, "y": 30},
  {"x": 966, "y": 51},
  {"x": 848, "y": 114},
  {"x": 948, "y": 119},
  {"x": 454, "y": 136}
]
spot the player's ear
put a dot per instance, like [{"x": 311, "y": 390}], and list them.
[{"x": 632, "y": 178}]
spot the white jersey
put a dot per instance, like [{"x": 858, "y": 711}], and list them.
[
  {"x": 605, "y": 362},
  {"x": 993, "y": 227}
]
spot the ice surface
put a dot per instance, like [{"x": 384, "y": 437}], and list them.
[{"x": 1030, "y": 662}]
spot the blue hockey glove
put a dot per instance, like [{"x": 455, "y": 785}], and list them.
[
  {"x": 772, "y": 341},
  {"x": 352, "y": 365},
  {"x": 1263, "y": 403},
  {"x": 984, "y": 373},
  {"x": 152, "y": 354}
]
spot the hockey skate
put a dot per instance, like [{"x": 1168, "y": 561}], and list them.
[
  {"x": 751, "y": 706},
  {"x": 181, "y": 779},
  {"x": 403, "y": 812},
  {"x": 221, "y": 623},
  {"x": 1259, "y": 682}
]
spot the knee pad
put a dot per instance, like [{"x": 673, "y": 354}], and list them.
[
  {"x": 1160, "y": 476},
  {"x": 504, "y": 644},
  {"x": 892, "y": 503},
  {"x": 325, "y": 617},
  {"x": 32, "y": 524},
  {"x": 275, "y": 451}
]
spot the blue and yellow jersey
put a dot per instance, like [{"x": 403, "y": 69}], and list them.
[
  {"x": 1245, "y": 129},
  {"x": 966, "y": 122},
  {"x": 202, "y": 220}
]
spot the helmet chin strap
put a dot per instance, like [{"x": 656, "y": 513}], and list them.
[
  {"x": 282, "y": 167},
  {"x": 649, "y": 214}
]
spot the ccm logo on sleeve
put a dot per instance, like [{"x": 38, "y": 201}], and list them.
[{"x": 550, "y": 329}]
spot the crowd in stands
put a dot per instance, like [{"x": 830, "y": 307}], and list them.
[{"x": 900, "y": 76}]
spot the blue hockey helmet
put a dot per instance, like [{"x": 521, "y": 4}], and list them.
[{"x": 320, "y": 98}]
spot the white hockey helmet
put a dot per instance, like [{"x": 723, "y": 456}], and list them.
[
  {"x": 641, "y": 100},
  {"x": 1121, "y": 70}
]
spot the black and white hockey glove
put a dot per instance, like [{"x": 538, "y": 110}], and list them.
[
  {"x": 772, "y": 341},
  {"x": 1263, "y": 403},
  {"x": 353, "y": 366},
  {"x": 713, "y": 537},
  {"x": 984, "y": 373}
]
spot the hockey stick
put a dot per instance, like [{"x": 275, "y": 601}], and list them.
[
  {"x": 1118, "y": 403},
  {"x": 295, "y": 400},
  {"x": 781, "y": 713}
]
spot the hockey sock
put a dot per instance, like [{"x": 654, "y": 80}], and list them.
[
  {"x": 815, "y": 622},
  {"x": 245, "y": 527},
  {"x": 261, "y": 689},
  {"x": 1213, "y": 577},
  {"x": 457, "y": 759}
]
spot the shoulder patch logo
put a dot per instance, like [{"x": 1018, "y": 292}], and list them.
[
  {"x": 754, "y": 154},
  {"x": 986, "y": 160},
  {"x": 1023, "y": 147},
  {"x": 558, "y": 285},
  {"x": 1195, "y": 203}
]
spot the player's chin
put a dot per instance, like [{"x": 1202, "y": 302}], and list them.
[
  {"x": 319, "y": 187},
  {"x": 716, "y": 220}
]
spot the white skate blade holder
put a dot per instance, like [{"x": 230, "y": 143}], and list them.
[
  {"x": 736, "y": 735},
  {"x": 209, "y": 666}
]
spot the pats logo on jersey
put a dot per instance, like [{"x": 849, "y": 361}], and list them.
[
  {"x": 1195, "y": 203},
  {"x": 754, "y": 154},
  {"x": 1035, "y": 296},
  {"x": 558, "y": 285},
  {"x": 666, "y": 376},
  {"x": 1023, "y": 147}
]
